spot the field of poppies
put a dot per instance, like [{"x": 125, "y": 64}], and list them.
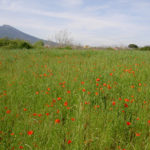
[{"x": 74, "y": 100}]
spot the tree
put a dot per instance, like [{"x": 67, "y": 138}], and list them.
[
  {"x": 133, "y": 46},
  {"x": 63, "y": 38}
]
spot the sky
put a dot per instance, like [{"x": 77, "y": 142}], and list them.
[{"x": 88, "y": 22}]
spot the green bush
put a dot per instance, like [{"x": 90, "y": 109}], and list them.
[
  {"x": 4, "y": 42},
  {"x": 17, "y": 43},
  {"x": 38, "y": 44},
  {"x": 133, "y": 46},
  {"x": 145, "y": 48}
]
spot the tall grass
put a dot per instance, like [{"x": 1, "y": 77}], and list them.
[{"x": 74, "y": 100}]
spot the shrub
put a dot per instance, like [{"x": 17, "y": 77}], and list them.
[
  {"x": 133, "y": 46},
  {"x": 9, "y": 44},
  {"x": 38, "y": 44},
  {"x": 4, "y": 42},
  {"x": 145, "y": 48}
]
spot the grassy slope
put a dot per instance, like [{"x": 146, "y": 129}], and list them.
[{"x": 100, "y": 117}]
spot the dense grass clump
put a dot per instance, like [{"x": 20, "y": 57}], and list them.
[{"x": 74, "y": 100}]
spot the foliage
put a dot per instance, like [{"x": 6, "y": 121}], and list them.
[
  {"x": 38, "y": 44},
  {"x": 14, "y": 44},
  {"x": 133, "y": 46},
  {"x": 145, "y": 48}
]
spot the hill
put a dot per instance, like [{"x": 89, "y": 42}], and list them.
[{"x": 13, "y": 33}]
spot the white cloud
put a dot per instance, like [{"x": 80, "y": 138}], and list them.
[
  {"x": 70, "y": 3},
  {"x": 88, "y": 28}
]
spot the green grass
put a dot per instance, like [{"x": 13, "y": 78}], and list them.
[{"x": 95, "y": 117}]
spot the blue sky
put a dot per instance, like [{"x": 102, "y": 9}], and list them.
[{"x": 92, "y": 22}]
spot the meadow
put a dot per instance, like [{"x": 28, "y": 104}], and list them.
[{"x": 74, "y": 100}]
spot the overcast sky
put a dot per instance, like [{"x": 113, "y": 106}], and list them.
[{"x": 92, "y": 22}]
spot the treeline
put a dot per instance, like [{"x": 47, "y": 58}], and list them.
[
  {"x": 19, "y": 44},
  {"x": 134, "y": 46}
]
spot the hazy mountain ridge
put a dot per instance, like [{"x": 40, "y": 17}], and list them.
[{"x": 13, "y": 33}]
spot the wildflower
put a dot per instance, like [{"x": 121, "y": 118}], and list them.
[
  {"x": 47, "y": 114},
  {"x": 36, "y": 92},
  {"x": 113, "y": 103},
  {"x": 69, "y": 141},
  {"x": 140, "y": 84},
  {"x": 104, "y": 84},
  {"x": 89, "y": 93},
  {"x": 120, "y": 99},
  {"x": 97, "y": 79},
  {"x": 59, "y": 98},
  {"x": 73, "y": 119},
  {"x": 66, "y": 103},
  {"x": 137, "y": 134},
  {"x": 57, "y": 121},
  {"x": 34, "y": 114},
  {"x": 68, "y": 92},
  {"x": 39, "y": 115},
  {"x": 111, "y": 74},
  {"x": 126, "y": 100},
  {"x": 96, "y": 93},
  {"x": 83, "y": 90},
  {"x": 30, "y": 132},
  {"x": 125, "y": 105},
  {"x": 25, "y": 109},
  {"x": 8, "y": 111},
  {"x": 128, "y": 123},
  {"x": 21, "y": 147}
]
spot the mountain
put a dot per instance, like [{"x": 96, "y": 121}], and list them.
[{"x": 13, "y": 33}]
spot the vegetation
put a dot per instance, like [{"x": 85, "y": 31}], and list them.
[
  {"x": 9, "y": 44},
  {"x": 19, "y": 44},
  {"x": 145, "y": 48},
  {"x": 133, "y": 46},
  {"x": 70, "y": 99},
  {"x": 39, "y": 44}
]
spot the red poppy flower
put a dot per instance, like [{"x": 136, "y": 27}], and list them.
[
  {"x": 21, "y": 147},
  {"x": 125, "y": 105},
  {"x": 57, "y": 121},
  {"x": 83, "y": 90},
  {"x": 25, "y": 109},
  {"x": 113, "y": 103},
  {"x": 30, "y": 132},
  {"x": 47, "y": 114},
  {"x": 12, "y": 134},
  {"x": 128, "y": 123},
  {"x": 66, "y": 103},
  {"x": 8, "y": 111},
  {"x": 59, "y": 98},
  {"x": 73, "y": 119},
  {"x": 137, "y": 134},
  {"x": 69, "y": 141},
  {"x": 34, "y": 114},
  {"x": 68, "y": 92},
  {"x": 97, "y": 79},
  {"x": 37, "y": 93}
]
